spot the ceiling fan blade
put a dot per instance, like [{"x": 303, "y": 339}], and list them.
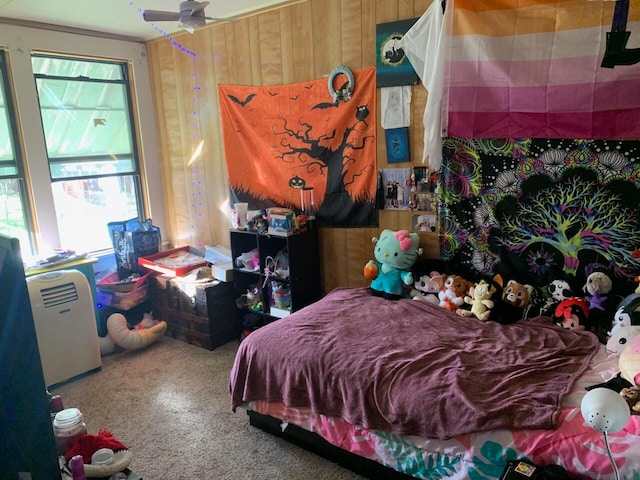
[
  {"x": 160, "y": 16},
  {"x": 199, "y": 7},
  {"x": 226, "y": 19}
]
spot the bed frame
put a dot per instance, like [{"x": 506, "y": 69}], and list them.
[{"x": 313, "y": 442}]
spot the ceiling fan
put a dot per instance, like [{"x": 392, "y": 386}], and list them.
[{"x": 190, "y": 17}]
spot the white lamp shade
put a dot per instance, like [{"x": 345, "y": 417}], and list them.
[{"x": 605, "y": 410}]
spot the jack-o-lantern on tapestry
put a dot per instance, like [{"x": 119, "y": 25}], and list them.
[{"x": 281, "y": 139}]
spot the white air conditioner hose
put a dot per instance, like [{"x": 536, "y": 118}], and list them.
[{"x": 133, "y": 339}]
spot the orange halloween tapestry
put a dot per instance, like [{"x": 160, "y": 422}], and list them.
[{"x": 320, "y": 134}]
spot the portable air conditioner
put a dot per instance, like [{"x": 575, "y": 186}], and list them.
[{"x": 65, "y": 322}]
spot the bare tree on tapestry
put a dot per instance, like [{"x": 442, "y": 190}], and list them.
[
  {"x": 340, "y": 165},
  {"x": 281, "y": 139}
]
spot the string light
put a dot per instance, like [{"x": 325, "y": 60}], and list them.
[{"x": 196, "y": 181}]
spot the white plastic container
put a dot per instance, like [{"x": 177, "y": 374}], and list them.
[
  {"x": 103, "y": 456},
  {"x": 68, "y": 424}
]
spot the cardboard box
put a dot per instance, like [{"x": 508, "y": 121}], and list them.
[
  {"x": 282, "y": 225},
  {"x": 223, "y": 272},
  {"x": 176, "y": 262},
  {"x": 217, "y": 254},
  {"x": 279, "y": 312},
  {"x": 221, "y": 260}
]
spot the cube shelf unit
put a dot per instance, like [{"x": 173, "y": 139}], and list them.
[{"x": 304, "y": 267}]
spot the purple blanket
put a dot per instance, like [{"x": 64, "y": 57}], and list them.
[{"x": 411, "y": 368}]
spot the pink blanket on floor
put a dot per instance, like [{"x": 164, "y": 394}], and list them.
[{"x": 411, "y": 368}]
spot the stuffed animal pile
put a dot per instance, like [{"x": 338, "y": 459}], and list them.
[
  {"x": 615, "y": 320},
  {"x": 592, "y": 306}
]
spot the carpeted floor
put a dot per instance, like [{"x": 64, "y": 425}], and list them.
[{"x": 169, "y": 404}]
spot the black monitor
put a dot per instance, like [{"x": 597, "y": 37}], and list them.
[{"x": 27, "y": 444}]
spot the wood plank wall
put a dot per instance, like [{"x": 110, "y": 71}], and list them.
[{"x": 297, "y": 41}]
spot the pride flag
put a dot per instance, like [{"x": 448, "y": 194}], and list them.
[{"x": 537, "y": 68}]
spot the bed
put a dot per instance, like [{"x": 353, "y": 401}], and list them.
[
  {"x": 406, "y": 389},
  {"x": 421, "y": 392}
]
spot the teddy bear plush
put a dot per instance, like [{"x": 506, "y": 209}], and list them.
[
  {"x": 480, "y": 301},
  {"x": 632, "y": 396},
  {"x": 453, "y": 291},
  {"x": 395, "y": 254},
  {"x": 596, "y": 290}
]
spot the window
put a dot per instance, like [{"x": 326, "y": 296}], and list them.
[
  {"x": 15, "y": 219},
  {"x": 87, "y": 119}
]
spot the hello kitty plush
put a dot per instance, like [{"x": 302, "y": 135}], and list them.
[{"x": 395, "y": 254}]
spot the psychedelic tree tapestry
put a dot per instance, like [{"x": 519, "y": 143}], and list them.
[
  {"x": 538, "y": 210},
  {"x": 279, "y": 139}
]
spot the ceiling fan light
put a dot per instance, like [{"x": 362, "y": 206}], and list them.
[{"x": 191, "y": 23}]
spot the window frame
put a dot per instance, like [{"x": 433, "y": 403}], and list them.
[
  {"x": 137, "y": 172},
  {"x": 18, "y": 155},
  {"x": 20, "y": 41}
]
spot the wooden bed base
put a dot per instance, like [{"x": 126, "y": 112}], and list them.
[{"x": 313, "y": 442}]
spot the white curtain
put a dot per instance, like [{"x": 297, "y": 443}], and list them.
[{"x": 424, "y": 47}]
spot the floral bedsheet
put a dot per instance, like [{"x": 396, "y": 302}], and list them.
[{"x": 574, "y": 445}]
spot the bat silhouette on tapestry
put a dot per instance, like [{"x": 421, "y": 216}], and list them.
[
  {"x": 325, "y": 105},
  {"x": 242, "y": 102}
]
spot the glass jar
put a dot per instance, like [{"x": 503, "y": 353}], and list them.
[
  {"x": 68, "y": 424},
  {"x": 308, "y": 203}
]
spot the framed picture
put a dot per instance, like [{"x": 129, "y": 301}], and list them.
[
  {"x": 424, "y": 223},
  {"x": 396, "y": 191},
  {"x": 424, "y": 181},
  {"x": 392, "y": 66},
  {"x": 425, "y": 201},
  {"x": 397, "y": 144}
]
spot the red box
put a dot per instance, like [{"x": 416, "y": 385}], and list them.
[{"x": 176, "y": 262}]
